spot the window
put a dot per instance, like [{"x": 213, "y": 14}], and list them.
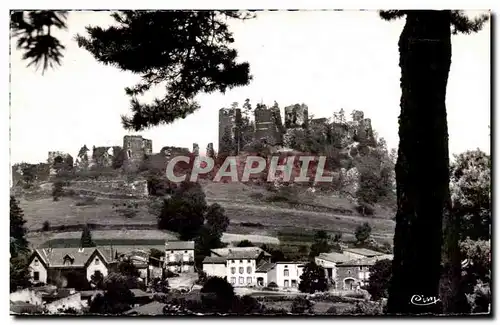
[
  {"x": 348, "y": 272},
  {"x": 294, "y": 283},
  {"x": 286, "y": 283},
  {"x": 249, "y": 280},
  {"x": 232, "y": 261},
  {"x": 185, "y": 252},
  {"x": 249, "y": 269},
  {"x": 233, "y": 270},
  {"x": 286, "y": 272},
  {"x": 248, "y": 261},
  {"x": 242, "y": 280},
  {"x": 233, "y": 280},
  {"x": 96, "y": 261},
  {"x": 171, "y": 252},
  {"x": 242, "y": 269},
  {"x": 241, "y": 261},
  {"x": 36, "y": 276},
  {"x": 36, "y": 262}
]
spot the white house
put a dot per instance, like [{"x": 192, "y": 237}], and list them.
[
  {"x": 48, "y": 263},
  {"x": 238, "y": 265},
  {"x": 215, "y": 266},
  {"x": 179, "y": 256},
  {"x": 286, "y": 274}
]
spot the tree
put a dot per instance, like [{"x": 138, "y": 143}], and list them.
[
  {"x": 116, "y": 299},
  {"x": 84, "y": 157},
  {"x": 46, "y": 226},
  {"x": 218, "y": 295},
  {"x": 313, "y": 279},
  {"x": 321, "y": 244},
  {"x": 29, "y": 175},
  {"x": 128, "y": 269},
  {"x": 19, "y": 273},
  {"x": 97, "y": 280},
  {"x": 184, "y": 211},
  {"x": 423, "y": 160},
  {"x": 57, "y": 190},
  {"x": 156, "y": 253},
  {"x": 33, "y": 33},
  {"x": 19, "y": 243},
  {"x": 471, "y": 194},
  {"x": 247, "y": 108},
  {"x": 245, "y": 243},
  {"x": 159, "y": 285},
  {"x": 363, "y": 232},
  {"x": 86, "y": 239},
  {"x": 380, "y": 277},
  {"x": 301, "y": 305},
  {"x": 216, "y": 220},
  {"x": 187, "y": 51},
  {"x": 476, "y": 273}
]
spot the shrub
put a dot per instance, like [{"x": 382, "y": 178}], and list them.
[
  {"x": 332, "y": 310},
  {"x": 46, "y": 226},
  {"x": 365, "y": 209},
  {"x": 256, "y": 195},
  {"x": 272, "y": 285},
  {"x": 301, "y": 305},
  {"x": 245, "y": 243}
]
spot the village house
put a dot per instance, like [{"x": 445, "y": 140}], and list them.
[
  {"x": 49, "y": 265},
  {"x": 179, "y": 256},
  {"x": 355, "y": 274},
  {"x": 329, "y": 262},
  {"x": 238, "y": 265}
]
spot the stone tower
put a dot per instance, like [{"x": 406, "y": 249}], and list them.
[
  {"x": 266, "y": 125},
  {"x": 136, "y": 149}
]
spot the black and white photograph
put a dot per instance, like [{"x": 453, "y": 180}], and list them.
[{"x": 250, "y": 162}]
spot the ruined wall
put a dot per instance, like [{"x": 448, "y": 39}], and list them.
[
  {"x": 296, "y": 116},
  {"x": 104, "y": 156}
]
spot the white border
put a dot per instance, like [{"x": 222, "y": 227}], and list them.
[{"x": 185, "y": 4}]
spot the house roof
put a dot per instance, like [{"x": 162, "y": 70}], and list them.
[
  {"x": 153, "y": 308},
  {"x": 363, "y": 251},
  {"x": 235, "y": 253},
  {"x": 334, "y": 257},
  {"x": 179, "y": 245},
  {"x": 214, "y": 260},
  {"x": 266, "y": 267},
  {"x": 368, "y": 261},
  {"x": 55, "y": 257},
  {"x": 292, "y": 262},
  {"x": 138, "y": 250}
]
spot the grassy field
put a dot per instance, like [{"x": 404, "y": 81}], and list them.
[
  {"x": 66, "y": 211},
  {"x": 251, "y": 216}
]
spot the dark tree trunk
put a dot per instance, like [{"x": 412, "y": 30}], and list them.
[{"x": 422, "y": 167}]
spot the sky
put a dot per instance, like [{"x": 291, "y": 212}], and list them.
[{"x": 327, "y": 60}]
